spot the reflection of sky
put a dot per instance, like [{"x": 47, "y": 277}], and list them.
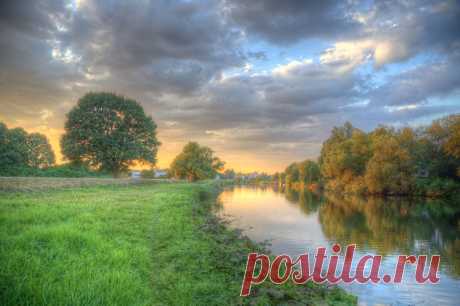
[{"x": 266, "y": 215}]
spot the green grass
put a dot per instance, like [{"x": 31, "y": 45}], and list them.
[{"x": 153, "y": 244}]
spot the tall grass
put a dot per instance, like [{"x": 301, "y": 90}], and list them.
[
  {"x": 76, "y": 247},
  {"x": 153, "y": 244}
]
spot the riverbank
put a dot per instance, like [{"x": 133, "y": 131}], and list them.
[{"x": 130, "y": 245}]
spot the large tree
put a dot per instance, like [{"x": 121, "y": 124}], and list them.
[
  {"x": 391, "y": 170},
  {"x": 195, "y": 162},
  {"x": 109, "y": 132},
  {"x": 344, "y": 156}
]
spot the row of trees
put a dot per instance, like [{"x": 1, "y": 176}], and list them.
[
  {"x": 107, "y": 133},
  {"x": 425, "y": 160},
  {"x": 19, "y": 149},
  {"x": 299, "y": 174}
]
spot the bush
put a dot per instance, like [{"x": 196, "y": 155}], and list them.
[
  {"x": 148, "y": 174},
  {"x": 65, "y": 170}
]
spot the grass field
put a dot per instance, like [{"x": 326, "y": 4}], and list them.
[
  {"x": 148, "y": 244},
  {"x": 47, "y": 183}
]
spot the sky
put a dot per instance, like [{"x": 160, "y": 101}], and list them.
[{"x": 260, "y": 82}]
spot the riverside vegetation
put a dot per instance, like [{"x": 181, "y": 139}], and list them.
[
  {"x": 386, "y": 161},
  {"x": 145, "y": 244}
]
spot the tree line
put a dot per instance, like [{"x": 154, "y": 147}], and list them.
[
  {"x": 104, "y": 134},
  {"x": 385, "y": 161},
  {"x": 19, "y": 149}
]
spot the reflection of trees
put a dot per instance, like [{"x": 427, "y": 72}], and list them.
[
  {"x": 308, "y": 201},
  {"x": 387, "y": 226}
]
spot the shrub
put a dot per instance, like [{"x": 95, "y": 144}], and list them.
[{"x": 65, "y": 170}]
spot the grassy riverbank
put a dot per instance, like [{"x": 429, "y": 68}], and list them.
[{"x": 156, "y": 244}]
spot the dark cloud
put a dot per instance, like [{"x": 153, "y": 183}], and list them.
[
  {"x": 417, "y": 85},
  {"x": 417, "y": 26},
  {"x": 290, "y": 21},
  {"x": 31, "y": 17},
  {"x": 289, "y": 95}
]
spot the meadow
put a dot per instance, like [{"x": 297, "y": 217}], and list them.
[{"x": 142, "y": 244}]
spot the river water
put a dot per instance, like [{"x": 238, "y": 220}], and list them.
[{"x": 297, "y": 222}]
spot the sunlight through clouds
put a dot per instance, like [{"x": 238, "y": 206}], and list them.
[{"x": 222, "y": 73}]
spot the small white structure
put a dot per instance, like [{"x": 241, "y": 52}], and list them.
[
  {"x": 135, "y": 174},
  {"x": 160, "y": 173}
]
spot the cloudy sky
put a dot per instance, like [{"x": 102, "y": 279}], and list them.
[{"x": 260, "y": 82}]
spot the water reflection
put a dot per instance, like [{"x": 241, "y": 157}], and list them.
[
  {"x": 390, "y": 226},
  {"x": 296, "y": 220}
]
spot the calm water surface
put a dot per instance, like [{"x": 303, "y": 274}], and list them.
[{"x": 298, "y": 222}]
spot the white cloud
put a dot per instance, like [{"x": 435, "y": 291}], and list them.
[
  {"x": 347, "y": 55},
  {"x": 291, "y": 68},
  {"x": 45, "y": 114}
]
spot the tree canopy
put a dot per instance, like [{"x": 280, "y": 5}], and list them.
[
  {"x": 109, "y": 132},
  {"x": 19, "y": 149},
  {"x": 391, "y": 161},
  {"x": 195, "y": 162},
  {"x": 423, "y": 161}
]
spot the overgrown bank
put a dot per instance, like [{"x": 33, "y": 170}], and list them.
[{"x": 129, "y": 245}]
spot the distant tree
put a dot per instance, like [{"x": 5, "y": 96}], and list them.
[
  {"x": 40, "y": 152},
  {"x": 229, "y": 174},
  {"x": 292, "y": 174},
  {"x": 195, "y": 162},
  {"x": 18, "y": 153},
  {"x": 309, "y": 172},
  {"x": 452, "y": 145},
  {"x": 18, "y": 149},
  {"x": 5, "y": 159},
  {"x": 438, "y": 146},
  {"x": 109, "y": 132},
  {"x": 281, "y": 178}
]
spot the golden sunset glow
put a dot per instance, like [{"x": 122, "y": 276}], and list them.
[{"x": 260, "y": 94}]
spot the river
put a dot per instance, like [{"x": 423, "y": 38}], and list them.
[{"x": 297, "y": 222}]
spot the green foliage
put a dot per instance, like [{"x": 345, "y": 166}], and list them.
[
  {"x": 109, "y": 132},
  {"x": 385, "y": 161},
  {"x": 149, "y": 174},
  {"x": 437, "y": 187},
  {"x": 195, "y": 162},
  {"x": 300, "y": 174},
  {"x": 388, "y": 161},
  {"x": 292, "y": 174},
  {"x": 39, "y": 151},
  {"x": 20, "y": 151},
  {"x": 391, "y": 169},
  {"x": 66, "y": 170},
  {"x": 309, "y": 172},
  {"x": 344, "y": 156},
  {"x": 438, "y": 147},
  {"x": 16, "y": 148}
]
